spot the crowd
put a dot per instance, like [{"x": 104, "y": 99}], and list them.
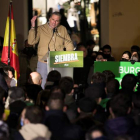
[{"x": 89, "y": 106}]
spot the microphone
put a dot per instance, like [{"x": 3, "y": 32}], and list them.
[{"x": 62, "y": 37}]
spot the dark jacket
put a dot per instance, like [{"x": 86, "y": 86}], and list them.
[
  {"x": 60, "y": 126},
  {"x": 122, "y": 126}
]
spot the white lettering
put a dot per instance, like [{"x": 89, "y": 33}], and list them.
[
  {"x": 56, "y": 59},
  {"x": 120, "y": 69}
]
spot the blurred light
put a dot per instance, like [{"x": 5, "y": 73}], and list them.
[{"x": 92, "y": 1}]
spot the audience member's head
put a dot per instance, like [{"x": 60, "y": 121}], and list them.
[
  {"x": 81, "y": 47},
  {"x": 43, "y": 98},
  {"x": 9, "y": 71},
  {"x": 55, "y": 104},
  {"x": 108, "y": 75},
  {"x": 66, "y": 85},
  {"x": 129, "y": 82},
  {"x": 126, "y": 56},
  {"x": 96, "y": 132},
  {"x": 98, "y": 77},
  {"x": 32, "y": 92},
  {"x": 107, "y": 49},
  {"x": 16, "y": 93},
  {"x": 120, "y": 105},
  {"x": 95, "y": 92},
  {"x": 31, "y": 114},
  {"x": 87, "y": 105},
  {"x": 35, "y": 78},
  {"x": 135, "y": 48},
  {"x": 135, "y": 56},
  {"x": 99, "y": 56},
  {"x": 90, "y": 44},
  {"x": 112, "y": 87},
  {"x": 54, "y": 76}
]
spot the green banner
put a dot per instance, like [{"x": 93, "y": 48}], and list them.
[
  {"x": 118, "y": 68},
  {"x": 63, "y": 59}
]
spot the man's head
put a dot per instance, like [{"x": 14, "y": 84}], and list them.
[
  {"x": 9, "y": 71},
  {"x": 55, "y": 104},
  {"x": 54, "y": 76},
  {"x": 66, "y": 85},
  {"x": 98, "y": 78},
  {"x": 54, "y": 19},
  {"x": 99, "y": 56},
  {"x": 108, "y": 75},
  {"x": 120, "y": 105},
  {"x": 87, "y": 105},
  {"x": 31, "y": 114},
  {"x": 112, "y": 87},
  {"x": 81, "y": 47},
  {"x": 106, "y": 49},
  {"x": 90, "y": 44},
  {"x": 135, "y": 48},
  {"x": 16, "y": 93},
  {"x": 35, "y": 78},
  {"x": 129, "y": 82}
]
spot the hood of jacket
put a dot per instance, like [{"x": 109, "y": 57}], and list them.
[{"x": 31, "y": 131}]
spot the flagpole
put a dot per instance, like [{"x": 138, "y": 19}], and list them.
[{"x": 9, "y": 32}]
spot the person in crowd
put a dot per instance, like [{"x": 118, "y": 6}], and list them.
[
  {"x": 135, "y": 57},
  {"x": 111, "y": 89},
  {"x": 31, "y": 119},
  {"x": 120, "y": 123},
  {"x": 126, "y": 56},
  {"x": 58, "y": 122},
  {"x": 81, "y": 74},
  {"x": 107, "y": 53},
  {"x": 86, "y": 109},
  {"x": 51, "y": 37},
  {"x": 136, "y": 108},
  {"x": 96, "y": 133},
  {"x": 100, "y": 57},
  {"x": 14, "y": 94},
  {"x": 35, "y": 78},
  {"x": 53, "y": 79},
  {"x": 90, "y": 45},
  {"x": 128, "y": 84},
  {"x": 67, "y": 87},
  {"x": 135, "y": 48},
  {"x": 108, "y": 75},
  {"x": 10, "y": 72},
  {"x": 66, "y": 84},
  {"x": 4, "y": 130},
  {"x": 33, "y": 88},
  {"x": 3, "y": 95},
  {"x": 43, "y": 98},
  {"x": 64, "y": 20}
]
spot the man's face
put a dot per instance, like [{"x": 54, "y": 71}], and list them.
[
  {"x": 106, "y": 51},
  {"x": 54, "y": 21},
  {"x": 84, "y": 51}
]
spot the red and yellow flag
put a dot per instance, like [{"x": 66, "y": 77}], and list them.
[{"x": 14, "y": 60}]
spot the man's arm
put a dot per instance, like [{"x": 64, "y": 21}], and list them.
[{"x": 33, "y": 37}]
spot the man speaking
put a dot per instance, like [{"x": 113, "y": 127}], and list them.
[{"x": 50, "y": 37}]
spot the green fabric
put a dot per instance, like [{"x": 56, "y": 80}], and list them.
[{"x": 104, "y": 102}]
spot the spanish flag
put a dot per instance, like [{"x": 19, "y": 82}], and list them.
[{"x": 10, "y": 44}]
